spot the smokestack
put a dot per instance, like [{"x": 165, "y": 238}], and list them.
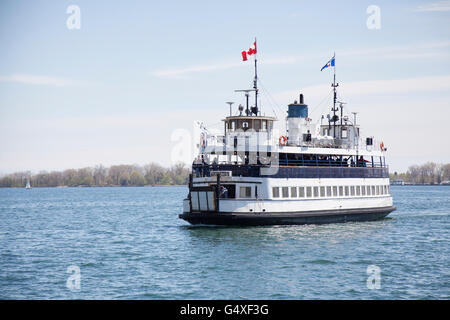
[{"x": 301, "y": 98}]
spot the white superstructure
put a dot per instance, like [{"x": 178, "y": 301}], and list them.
[{"x": 313, "y": 173}]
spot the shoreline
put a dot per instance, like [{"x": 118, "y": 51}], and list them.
[{"x": 63, "y": 187}]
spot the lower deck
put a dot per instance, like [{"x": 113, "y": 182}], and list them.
[
  {"x": 243, "y": 194},
  {"x": 236, "y": 199}
]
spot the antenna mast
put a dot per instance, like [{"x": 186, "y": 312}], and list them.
[
  {"x": 334, "y": 85},
  {"x": 230, "y": 103}
]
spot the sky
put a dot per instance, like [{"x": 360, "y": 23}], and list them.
[{"x": 127, "y": 85}]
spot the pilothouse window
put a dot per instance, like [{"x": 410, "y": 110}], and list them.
[
  {"x": 257, "y": 124},
  {"x": 264, "y": 125},
  {"x": 232, "y": 125}
]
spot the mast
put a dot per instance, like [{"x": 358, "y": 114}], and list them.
[
  {"x": 255, "y": 81},
  {"x": 334, "y": 85}
]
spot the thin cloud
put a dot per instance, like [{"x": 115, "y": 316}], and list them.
[
  {"x": 181, "y": 73},
  {"x": 443, "y": 5},
  {"x": 421, "y": 50},
  {"x": 407, "y": 51},
  {"x": 37, "y": 80},
  {"x": 358, "y": 88}
]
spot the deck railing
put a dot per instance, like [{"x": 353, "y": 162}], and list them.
[{"x": 287, "y": 171}]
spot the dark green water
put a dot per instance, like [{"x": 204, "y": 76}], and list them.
[{"x": 128, "y": 243}]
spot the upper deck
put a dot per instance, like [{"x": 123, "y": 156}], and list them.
[{"x": 251, "y": 139}]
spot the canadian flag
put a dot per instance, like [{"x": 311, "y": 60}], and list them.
[{"x": 250, "y": 51}]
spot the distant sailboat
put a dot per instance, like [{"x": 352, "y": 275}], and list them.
[{"x": 28, "y": 186}]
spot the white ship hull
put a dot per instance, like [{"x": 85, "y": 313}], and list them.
[
  {"x": 339, "y": 200},
  {"x": 316, "y": 172}
]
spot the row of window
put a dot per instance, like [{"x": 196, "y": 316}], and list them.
[
  {"x": 255, "y": 124},
  {"x": 329, "y": 191}
]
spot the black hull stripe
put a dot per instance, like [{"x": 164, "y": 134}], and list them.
[{"x": 272, "y": 218}]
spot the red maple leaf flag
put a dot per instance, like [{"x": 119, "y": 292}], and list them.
[{"x": 250, "y": 51}]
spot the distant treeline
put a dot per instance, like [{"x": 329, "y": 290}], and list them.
[
  {"x": 119, "y": 175},
  {"x": 154, "y": 174},
  {"x": 428, "y": 173}
]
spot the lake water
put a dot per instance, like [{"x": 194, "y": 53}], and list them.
[{"x": 128, "y": 243}]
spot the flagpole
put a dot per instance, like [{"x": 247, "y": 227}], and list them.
[
  {"x": 255, "y": 85},
  {"x": 334, "y": 85}
]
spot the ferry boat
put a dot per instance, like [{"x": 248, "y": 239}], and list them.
[{"x": 313, "y": 173}]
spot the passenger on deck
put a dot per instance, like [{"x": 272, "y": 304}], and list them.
[
  {"x": 223, "y": 192},
  {"x": 361, "y": 162},
  {"x": 214, "y": 164}
]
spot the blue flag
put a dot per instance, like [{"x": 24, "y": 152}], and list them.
[{"x": 330, "y": 63}]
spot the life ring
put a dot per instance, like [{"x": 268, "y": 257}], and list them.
[
  {"x": 382, "y": 146},
  {"x": 282, "y": 140}
]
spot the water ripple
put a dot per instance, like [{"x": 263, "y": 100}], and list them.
[{"x": 130, "y": 244}]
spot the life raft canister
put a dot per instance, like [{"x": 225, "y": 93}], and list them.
[{"x": 282, "y": 140}]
